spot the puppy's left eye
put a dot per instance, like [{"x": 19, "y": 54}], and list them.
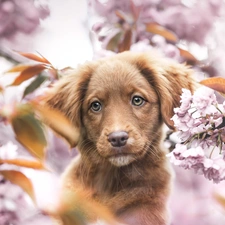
[
  {"x": 137, "y": 101},
  {"x": 96, "y": 106}
]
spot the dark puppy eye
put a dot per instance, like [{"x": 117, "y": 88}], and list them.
[
  {"x": 137, "y": 101},
  {"x": 96, "y": 106}
]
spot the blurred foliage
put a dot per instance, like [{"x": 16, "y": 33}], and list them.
[
  {"x": 29, "y": 119},
  {"x": 172, "y": 27}
]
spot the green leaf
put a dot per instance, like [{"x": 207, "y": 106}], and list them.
[
  {"x": 114, "y": 41},
  {"x": 29, "y": 132},
  {"x": 35, "y": 84}
]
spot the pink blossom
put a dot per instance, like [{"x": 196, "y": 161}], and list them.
[
  {"x": 204, "y": 100},
  {"x": 199, "y": 121},
  {"x": 15, "y": 17},
  {"x": 8, "y": 151},
  {"x": 171, "y": 14},
  {"x": 186, "y": 158},
  {"x": 186, "y": 98},
  {"x": 141, "y": 46},
  {"x": 214, "y": 169}
]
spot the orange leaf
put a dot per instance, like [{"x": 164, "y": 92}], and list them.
[
  {"x": 157, "y": 29},
  {"x": 1, "y": 89},
  {"x": 126, "y": 43},
  {"x": 216, "y": 83},
  {"x": 120, "y": 15},
  {"x": 24, "y": 163},
  {"x": 123, "y": 16},
  {"x": 18, "y": 68},
  {"x": 19, "y": 179},
  {"x": 220, "y": 199},
  {"x": 76, "y": 207},
  {"x": 34, "y": 57},
  {"x": 29, "y": 73},
  {"x": 187, "y": 55},
  {"x": 29, "y": 132},
  {"x": 58, "y": 123}
]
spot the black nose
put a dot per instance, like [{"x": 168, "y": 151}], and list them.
[{"x": 118, "y": 138}]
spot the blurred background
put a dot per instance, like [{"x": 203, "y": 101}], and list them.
[{"x": 71, "y": 32}]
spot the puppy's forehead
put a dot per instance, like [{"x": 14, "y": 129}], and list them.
[{"x": 117, "y": 75}]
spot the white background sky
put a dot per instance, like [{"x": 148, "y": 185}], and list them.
[{"x": 63, "y": 37}]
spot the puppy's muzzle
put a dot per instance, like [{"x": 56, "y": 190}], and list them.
[{"x": 118, "y": 138}]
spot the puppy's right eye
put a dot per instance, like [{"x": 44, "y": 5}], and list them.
[{"x": 96, "y": 106}]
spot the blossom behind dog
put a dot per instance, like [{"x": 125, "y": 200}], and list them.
[{"x": 200, "y": 122}]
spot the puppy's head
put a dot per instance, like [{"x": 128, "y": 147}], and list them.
[{"x": 119, "y": 104}]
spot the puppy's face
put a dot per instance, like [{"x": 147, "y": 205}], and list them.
[
  {"x": 117, "y": 104},
  {"x": 120, "y": 112}
]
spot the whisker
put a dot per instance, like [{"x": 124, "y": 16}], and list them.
[{"x": 136, "y": 169}]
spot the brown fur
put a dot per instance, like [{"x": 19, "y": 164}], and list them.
[{"x": 135, "y": 187}]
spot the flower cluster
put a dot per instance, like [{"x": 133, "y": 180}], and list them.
[
  {"x": 200, "y": 123},
  {"x": 20, "y": 16},
  {"x": 135, "y": 14}
]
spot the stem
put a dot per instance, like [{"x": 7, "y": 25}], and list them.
[
  {"x": 218, "y": 109},
  {"x": 7, "y": 55},
  {"x": 211, "y": 152},
  {"x": 220, "y": 143},
  {"x": 222, "y": 124}
]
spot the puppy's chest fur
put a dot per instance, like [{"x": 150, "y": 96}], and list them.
[{"x": 126, "y": 187}]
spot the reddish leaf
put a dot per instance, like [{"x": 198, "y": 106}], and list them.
[
  {"x": 34, "y": 57},
  {"x": 18, "y": 68},
  {"x": 29, "y": 73},
  {"x": 216, "y": 83},
  {"x": 122, "y": 15},
  {"x": 157, "y": 29},
  {"x": 24, "y": 163},
  {"x": 19, "y": 179},
  {"x": 127, "y": 41},
  {"x": 187, "y": 55},
  {"x": 135, "y": 10},
  {"x": 29, "y": 132},
  {"x": 58, "y": 123}
]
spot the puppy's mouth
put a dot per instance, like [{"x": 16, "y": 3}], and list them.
[{"x": 120, "y": 157}]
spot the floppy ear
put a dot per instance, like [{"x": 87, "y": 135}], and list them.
[
  {"x": 175, "y": 77},
  {"x": 168, "y": 78},
  {"x": 67, "y": 97}
]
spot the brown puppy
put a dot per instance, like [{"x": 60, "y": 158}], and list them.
[{"x": 118, "y": 105}]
